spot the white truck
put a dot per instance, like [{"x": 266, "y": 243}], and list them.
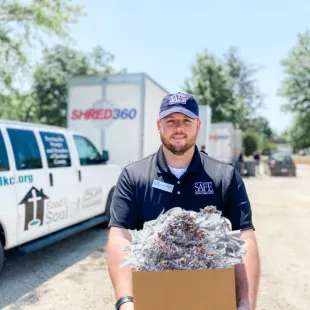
[
  {"x": 117, "y": 113},
  {"x": 203, "y": 138},
  {"x": 53, "y": 183},
  {"x": 225, "y": 142}
]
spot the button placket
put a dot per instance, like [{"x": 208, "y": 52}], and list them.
[{"x": 178, "y": 192}]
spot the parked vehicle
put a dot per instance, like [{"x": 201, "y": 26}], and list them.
[
  {"x": 203, "y": 137},
  {"x": 280, "y": 164},
  {"x": 225, "y": 142},
  {"x": 118, "y": 113},
  {"x": 53, "y": 183}
]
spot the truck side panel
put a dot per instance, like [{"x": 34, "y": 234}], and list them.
[
  {"x": 153, "y": 97},
  {"x": 8, "y": 201},
  {"x": 221, "y": 142},
  {"x": 81, "y": 98},
  {"x": 238, "y": 144},
  {"x": 117, "y": 113},
  {"x": 108, "y": 111},
  {"x": 203, "y": 137},
  {"x": 123, "y": 136}
]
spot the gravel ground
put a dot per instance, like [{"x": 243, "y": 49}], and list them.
[
  {"x": 72, "y": 274},
  {"x": 42, "y": 279},
  {"x": 281, "y": 208}
]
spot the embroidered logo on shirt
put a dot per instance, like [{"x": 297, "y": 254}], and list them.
[{"x": 204, "y": 188}]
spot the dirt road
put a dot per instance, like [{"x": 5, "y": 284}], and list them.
[
  {"x": 281, "y": 208},
  {"x": 72, "y": 274}
]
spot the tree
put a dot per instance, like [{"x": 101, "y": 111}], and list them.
[
  {"x": 51, "y": 77},
  {"x": 244, "y": 84},
  {"x": 23, "y": 25},
  {"x": 260, "y": 125},
  {"x": 296, "y": 85},
  {"x": 18, "y": 107},
  {"x": 227, "y": 85},
  {"x": 250, "y": 142},
  {"x": 210, "y": 84},
  {"x": 295, "y": 88},
  {"x": 298, "y": 134}
]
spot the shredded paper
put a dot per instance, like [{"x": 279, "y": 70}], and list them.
[{"x": 185, "y": 240}]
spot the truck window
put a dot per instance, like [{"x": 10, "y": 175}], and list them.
[
  {"x": 25, "y": 148},
  {"x": 4, "y": 161},
  {"x": 88, "y": 153},
  {"x": 56, "y": 150}
]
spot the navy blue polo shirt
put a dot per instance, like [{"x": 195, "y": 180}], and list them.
[{"x": 147, "y": 187}]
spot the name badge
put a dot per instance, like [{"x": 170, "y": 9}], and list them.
[{"x": 163, "y": 186}]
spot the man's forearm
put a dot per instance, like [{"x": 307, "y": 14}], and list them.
[
  {"x": 248, "y": 275},
  {"x": 121, "y": 277}
]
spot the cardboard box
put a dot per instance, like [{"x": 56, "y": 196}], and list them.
[{"x": 212, "y": 289}]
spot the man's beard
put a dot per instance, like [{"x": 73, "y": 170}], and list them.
[{"x": 178, "y": 149}]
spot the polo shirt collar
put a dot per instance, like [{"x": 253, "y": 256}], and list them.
[{"x": 162, "y": 166}]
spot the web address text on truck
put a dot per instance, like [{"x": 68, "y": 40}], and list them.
[{"x": 6, "y": 181}]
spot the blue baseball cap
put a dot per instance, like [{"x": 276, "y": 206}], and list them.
[{"x": 179, "y": 103}]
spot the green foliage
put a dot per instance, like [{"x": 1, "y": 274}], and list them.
[
  {"x": 260, "y": 125},
  {"x": 210, "y": 84},
  {"x": 251, "y": 142},
  {"x": 51, "y": 77},
  {"x": 266, "y": 147},
  {"x": 226, "y": 85},
  {"x": 296, "y": 85},
  {"x": 295, "y": 88},
  {"x": 22, "y": 25},
  {"x": 243, "y": 81},
  {"x": 299, "y": 133},
  {"x": 18, "y": 107}
]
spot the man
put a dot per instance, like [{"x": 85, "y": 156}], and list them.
[
  {"x": 185, "y": 178},
  {"x": 241, "y": 163},
  {"x": 257, "y": 161},
  {"x": 203, "y": 149}
]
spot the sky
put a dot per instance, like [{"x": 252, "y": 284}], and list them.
[{"x": 162, "y": 38}]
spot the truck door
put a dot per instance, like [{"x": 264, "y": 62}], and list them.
[
  {"x": 8, "y": 210},
  {"x": 93, "y": 178},
  {"x": 30, "y": 184},
  {"x": 63, "y": 182}
]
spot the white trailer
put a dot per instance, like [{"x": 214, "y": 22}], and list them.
[
  {"x": 203, "y": 137},
  {"x": 238, "y": 144},
  {"x": 225, "y": 142},
  {"x": 117, "y": 113}
]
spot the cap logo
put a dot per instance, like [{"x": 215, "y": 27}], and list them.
[{"x": 178, "y": 98}]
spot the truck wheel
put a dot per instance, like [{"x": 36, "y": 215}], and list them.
[
  {"x": 108, "y": 208},
  {"x": 1, "y": 256}
]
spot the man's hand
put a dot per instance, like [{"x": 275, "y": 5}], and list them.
[
  {"x": 121, "y": 277},
  {"x": 127, "y": 306},
  {"x": 248, "y": 274}
]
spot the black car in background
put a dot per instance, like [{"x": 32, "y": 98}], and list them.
[{"x": 280, "y": 164}]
